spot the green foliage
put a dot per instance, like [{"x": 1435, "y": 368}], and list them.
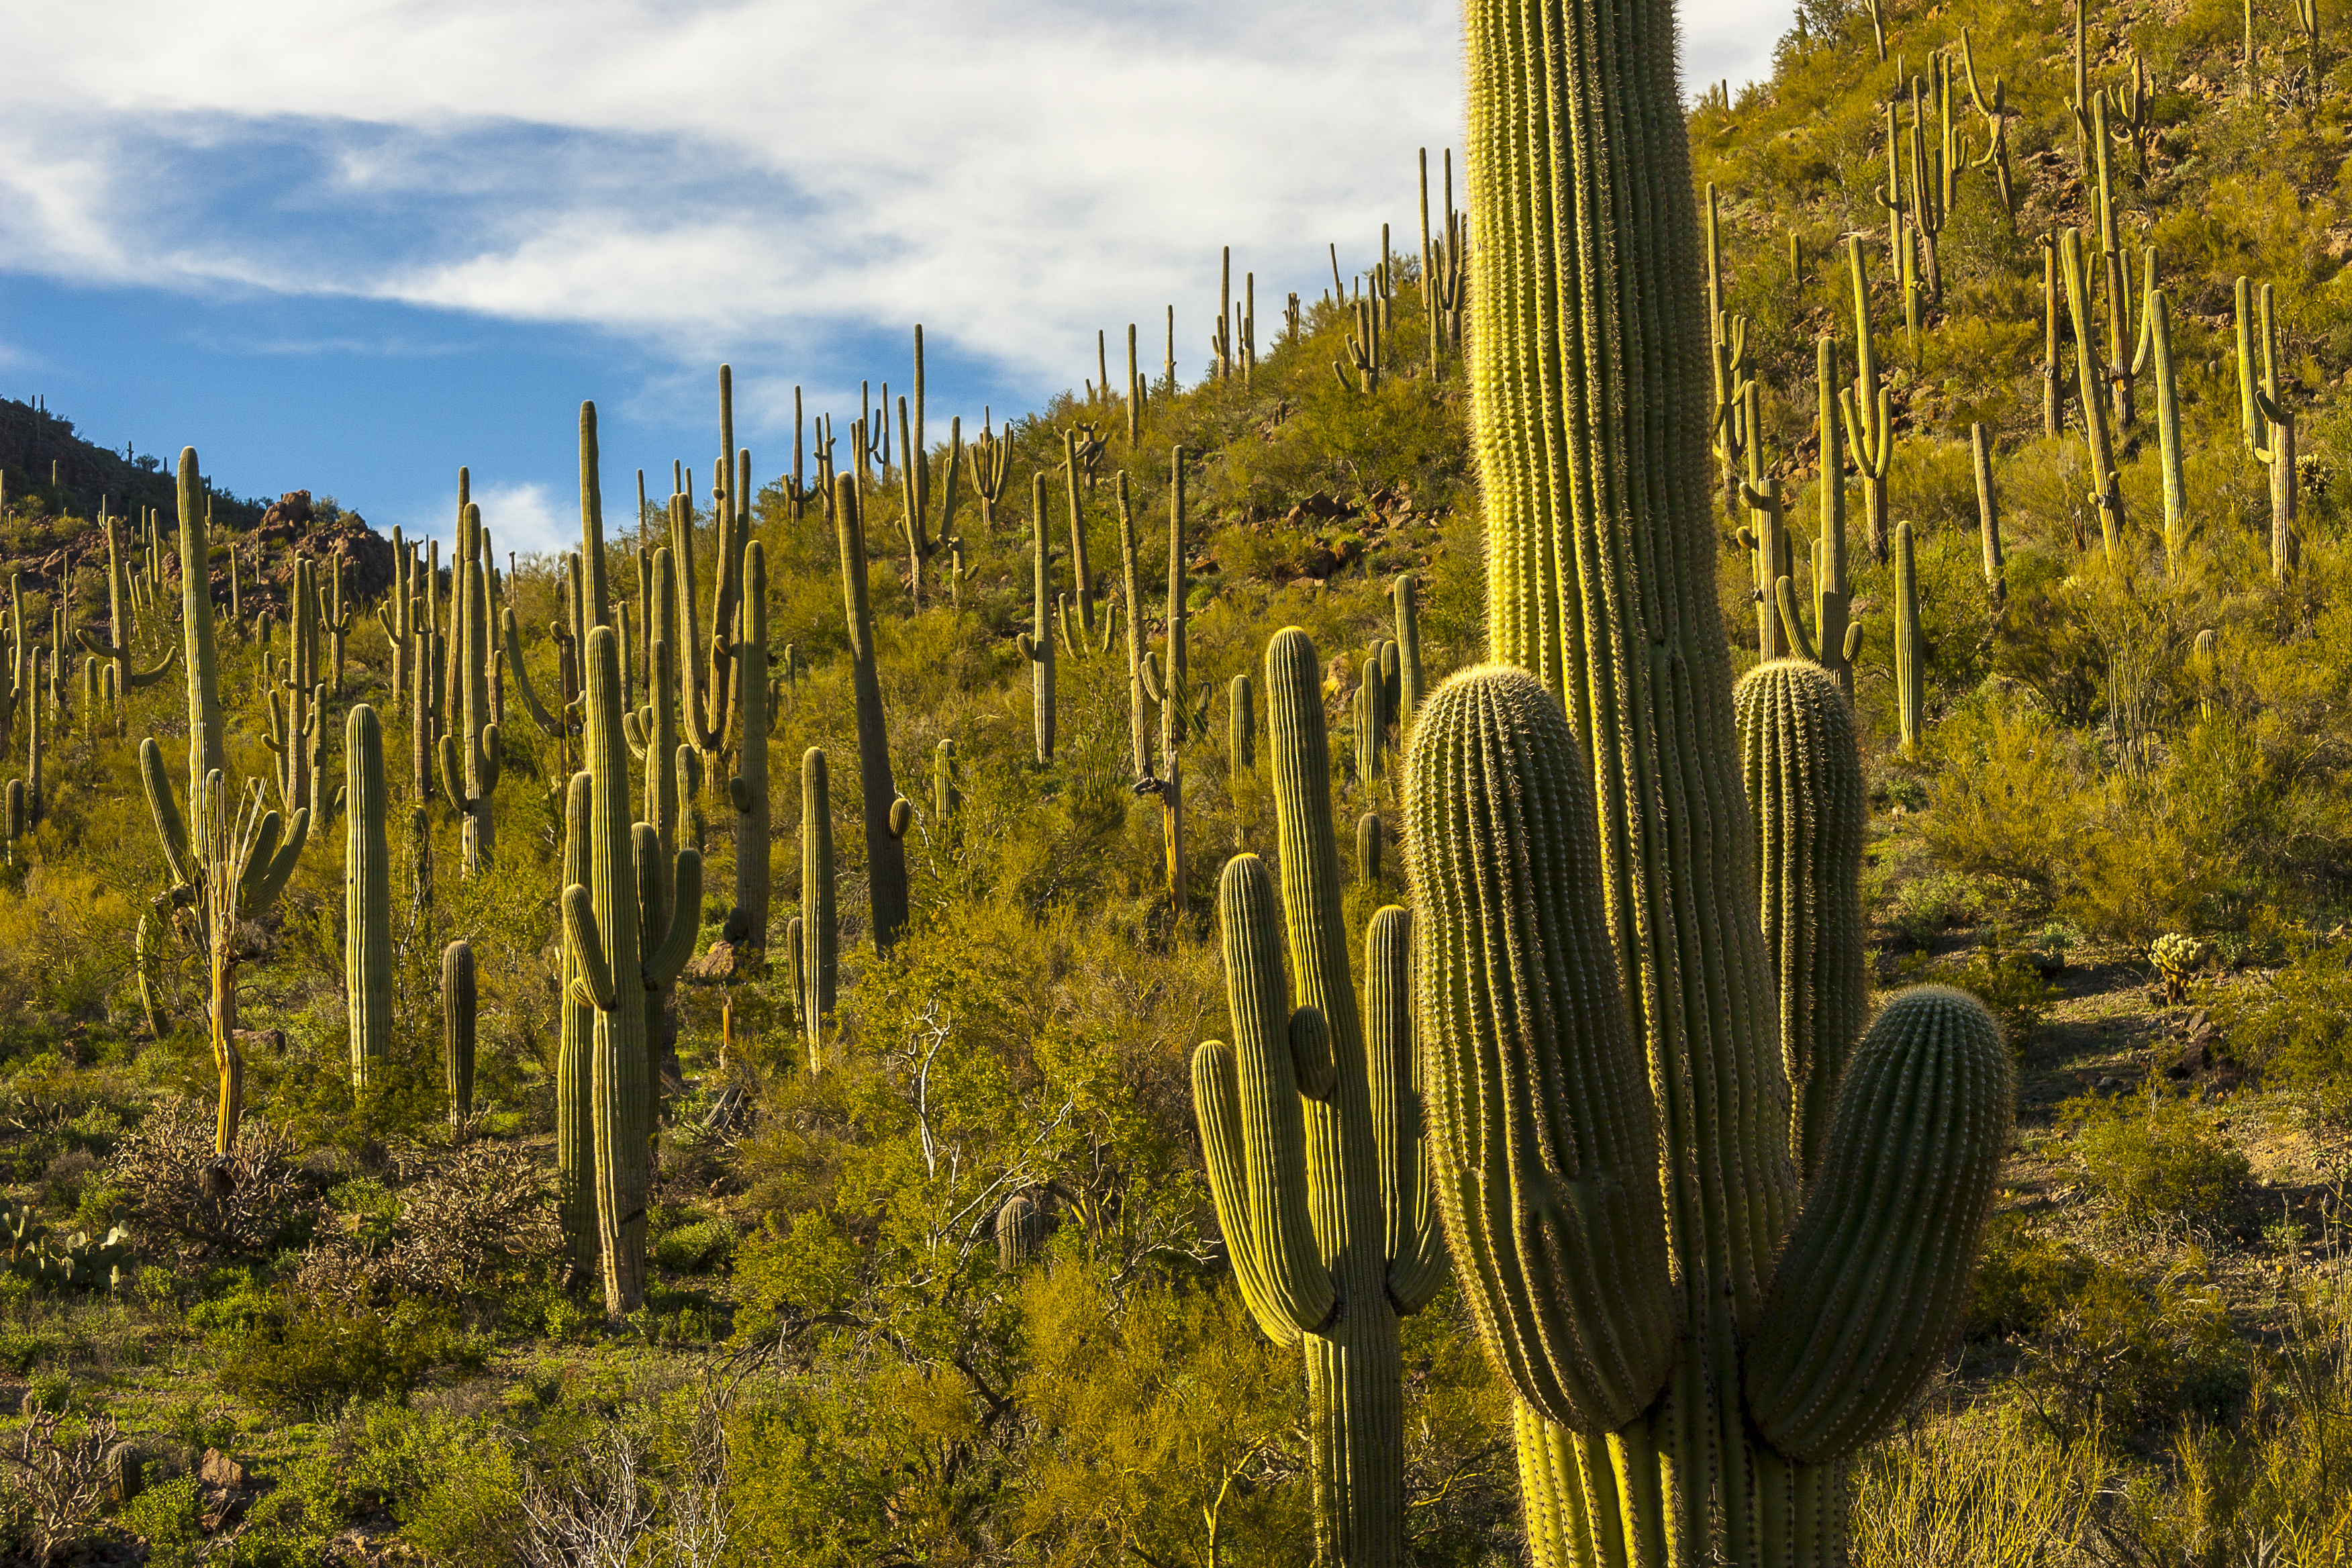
[
  {"x": 2295, "y": 1024},
  {"x": 2153, "y": 1156},
  {"x": 2011, "y": 985},
  {"x": 167, "y": 1518},
  {"x": 296, "y": 1354}
]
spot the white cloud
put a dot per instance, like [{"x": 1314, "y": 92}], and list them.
[
  {"x": 763, "y": 179},
  {"x": 527, "y": 518}
]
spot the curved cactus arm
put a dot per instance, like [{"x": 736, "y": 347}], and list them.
[
  {"x": 1275, "y": 1223},
  {"x": 171, "y": 829},
  {"x": 633, "y": 731},
  {"x": 453, "y": 774},
  {"x": 259, "y": 850},
  {"x": 139, "y": 679},
  {"x": 1792, "y": 619},
  {"x": 1874, "y": 1278},
  {"x": 1543, "y": 1142},
  {"x": 685, "y": 920},
  {"x": 268, "y": 877},
  {"x": 491, "y": 762},
  {"x": 512, "y": 637},
  {"x": 1415, "y": 1248},
  {"x": 1216, "y": 1094},
  {"x": 592, "y": 972}
]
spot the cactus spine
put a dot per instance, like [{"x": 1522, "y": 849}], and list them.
[
  {"x": 817, "y": 973},
  {"x": 747, "y": 789},
  {"x": 1582, "y": 190},
  {"x": 1312, "y": 1144},
  {"x": 367, "y": 898},
  {"x": 886, "y": 854},
  {"x": 1805, "y": 794},
  {"x": 620, "y": 953},
  {"x": 1036, "y": 644},
  {"x": 458, "y": 1031}
]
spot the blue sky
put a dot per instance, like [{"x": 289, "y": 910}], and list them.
[{"x": 349, "y": 244}]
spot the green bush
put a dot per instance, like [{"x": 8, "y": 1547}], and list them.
[
  {"x": 168, "y": 1519},
  {"x": 2009, "y": 984},
  {"x": 2295, "y": 1027},
  {"x": 314, "y": 1353},
  {"x": 701, "y": 1247},
  {"x": 2153, "y": 1156}
]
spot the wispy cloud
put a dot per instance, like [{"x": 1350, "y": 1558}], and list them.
[{"x": 775, "y": 180}]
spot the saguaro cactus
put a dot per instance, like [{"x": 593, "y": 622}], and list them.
[
  {"x": 367, "y": 898},
  {"x": 1241, "y": 727},
  {"x": 1406, "y": 592},
  {"x": 2108, "y": 495},
  {"x": 115, "y": 646},
  {"x": 1036, "y": 644},
  {"x": 1868, "y": 410},
  {"x": 1181, "y": 714},
  {"x": 457, "y": 1030},
  {"x": 1309, "y": 1127},
  {"x": 618, "y": 952},
  {"x": 575, "y": 1109},
  {"x": 2268, "y": 426},
  {"x": 1837, "y": 638},
  {"x": 1582, "y": 191},
  {"x": 817, "y": 973},
  {"x": 471, "y": 752},
  {"x": 747, "y": 789},
  {"x": 1805, "y": 794},
  {"x": 1910, "y": 645},
  {"x": 886, "y": 854}
]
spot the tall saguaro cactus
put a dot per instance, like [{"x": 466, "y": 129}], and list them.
[
  {"x": 458, "y": 1031},
  {"x": 471, "y": 752},
  {"x": 115, "y": 646},
  {"x": 816, "y": 973},
  {"x": 1310, "y": 1126},
  {"x": 747, "y": 789},
  {"x": 1635, "y": 1442},
  {"x": 367, "y": 898},
  {"x": 617, "y": 952},
  {"x": 885, "y": 853},
  {"x": 1036, "y": 644}
]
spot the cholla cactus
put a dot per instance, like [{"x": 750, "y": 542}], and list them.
[{"x": 2177, "y": 958}]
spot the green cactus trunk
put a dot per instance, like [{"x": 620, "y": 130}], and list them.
[
  {"x": 606, "y": 924},
  {"x": 747, "y": 791},
  {"x": 458, "y": 1031},
  {"x": 575, "y": 1114},
  {"x": 1036, "y": 644},
  {"x": 367, "y": 899},
  {"x": 1910, "y": 645},
  {"x": 1589, "y": 362},
  {"x": 1241, "y": 728},
  {"x": 471, "y": 754},
  {"x": 816, "y": 974},
  {"x": 1406, "y": 592},
  {"x": 1312, "y": 1144},
  {"x": 886, "y": 854}
]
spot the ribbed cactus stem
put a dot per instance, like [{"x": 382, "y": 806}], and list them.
[
  {"x": 1874, "y": 1279},
  {"x": 1558, "y": 1228},
  {"x": 1582, "y": 190},
  {"x": 946, "y": 796},
  {"x": 458, "y": 1031},
  {"x": 1368, "y": 849},
  {"x": 1020, "y": 1232},
  {"x": 2107, "y": 494},
  {"x": 1241, "y": 726},
  {"x": 1910, "y": 645},
  {"x": 618, "y": 955},
  {"x": 575, "y": 1113},
  {"x": 1805, "y": 790},
  {"x": 1406, "y": 592},
  {"x": 1996, "y": 568},
  {"x": 367, "y": 898},
  {"x": 747, "y": 790},
  {"x": 1176, "y": 715},
  {"x": 1036, "y": 644},
  {"x": 1312, "y": 1150},
  {"x": 885, "y": 856},
  {"x": 817, "y": 974}
]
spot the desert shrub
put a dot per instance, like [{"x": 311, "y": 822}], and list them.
[
  {"x": 2295, "y": 1026},
  {"x": 167, "y": 1519},
  {"x": 462, "y": 1218},
  {"x": 55, "y": 1472},
  {"x": 2024, "y": 1276},
  {"x": 698, "y": 1248},
  {"x": 159, "y": 1170},
  {"x": 1924, "y": 907},
  {"x": 1988, "y": 1487},
  {"x": 2139, "y": 1350},
  {"x": 2154, "y": 1157},
  {"x": 313, "y": 1353}
]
